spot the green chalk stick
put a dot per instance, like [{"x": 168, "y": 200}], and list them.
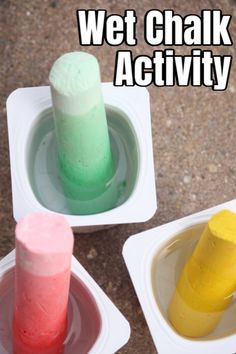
[{"x": 84, "y": 151}]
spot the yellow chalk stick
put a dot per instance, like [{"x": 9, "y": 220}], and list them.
[{"x": 208, "y": 279}]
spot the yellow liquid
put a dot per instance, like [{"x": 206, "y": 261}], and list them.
[{"x": 166, "y": 269}]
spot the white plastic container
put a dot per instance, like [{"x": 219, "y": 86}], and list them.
[
  {"x": 95, "y": 325},
  {"x": 35, "y": 185},
  {"x": 154, "y": 259}
]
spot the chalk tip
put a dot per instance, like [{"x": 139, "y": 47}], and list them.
[
  {"x": 46, "y": 233},
  {"x": 74, "y": 72}
]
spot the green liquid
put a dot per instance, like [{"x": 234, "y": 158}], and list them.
[{"x": 46, "y": 182}]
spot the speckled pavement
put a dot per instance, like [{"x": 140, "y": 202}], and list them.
[{"x": 194, "y": 132}]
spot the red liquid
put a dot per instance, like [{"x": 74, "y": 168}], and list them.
[{"x": 84, "y": 320}]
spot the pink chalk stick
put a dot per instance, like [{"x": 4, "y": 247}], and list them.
[{"x": 44, "y": 245}]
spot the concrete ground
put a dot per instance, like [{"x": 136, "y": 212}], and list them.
[{"x": 194, "y": 131}]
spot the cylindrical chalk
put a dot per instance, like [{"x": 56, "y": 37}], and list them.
[
  {"x": 208, "y": 279},
  {"x": 85, "y": 158},
  {"x": 44, "y": 244}
]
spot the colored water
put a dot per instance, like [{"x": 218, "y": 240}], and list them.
[
  {"x": 43, "y": 167},
  {"x": 166, "y": 268},
  {"x": 84, "y": 322}
]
